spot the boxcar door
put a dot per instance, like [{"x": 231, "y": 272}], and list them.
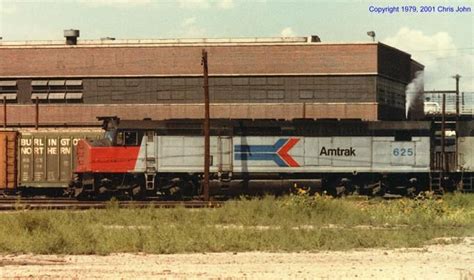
[{"x": 224, "y": 149}]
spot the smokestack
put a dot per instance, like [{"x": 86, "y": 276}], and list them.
[{"x": 71, "y": 36}]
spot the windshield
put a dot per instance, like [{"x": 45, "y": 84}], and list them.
[{"x": 109, "y": 135}]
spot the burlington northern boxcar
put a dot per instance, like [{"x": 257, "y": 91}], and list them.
[{"x": 40, "y": 161}]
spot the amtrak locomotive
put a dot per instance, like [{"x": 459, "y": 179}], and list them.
[{"x": 165, "y": 158}]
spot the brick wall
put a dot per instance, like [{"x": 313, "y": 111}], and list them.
[{"x": 186, "y": 60}]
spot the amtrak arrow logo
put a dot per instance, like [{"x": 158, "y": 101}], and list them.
[{"x": 277, "y": 152}]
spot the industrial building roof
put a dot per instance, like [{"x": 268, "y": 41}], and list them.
[{"x": 110, "y": 42}]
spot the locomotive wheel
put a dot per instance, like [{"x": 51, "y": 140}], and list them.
[{"x": 136, "y": 193}]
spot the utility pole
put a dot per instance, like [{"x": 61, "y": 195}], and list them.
[
  {"x": 4, "y": 111},
  {"x": 444, "y": 161},
  {"x": 458, "y": 113},
  {"x": 37, "y": 113},
  {"x": 457, "y": 76},
  {"x": 207, "y": 142}
]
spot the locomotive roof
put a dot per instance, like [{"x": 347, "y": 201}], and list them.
[{"x": 303, "y": 127}]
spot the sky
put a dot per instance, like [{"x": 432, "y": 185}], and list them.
[{"x": 440, "y": 40}]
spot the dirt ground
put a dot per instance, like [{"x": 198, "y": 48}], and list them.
[{"x": 431, "y": 262}]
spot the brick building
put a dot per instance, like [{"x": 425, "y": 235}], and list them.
[{"x": 259, "y": 78}]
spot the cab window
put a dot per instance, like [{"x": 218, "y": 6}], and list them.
[
  {"x": 109, "y": 135},
  {"x": 130, "y": 138},
  {"x": 120, "y": 138}
]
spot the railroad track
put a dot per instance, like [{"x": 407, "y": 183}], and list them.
[{"x": 9, "y": 204}]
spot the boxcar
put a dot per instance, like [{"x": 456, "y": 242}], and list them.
[{"x": 40, "y": 159}]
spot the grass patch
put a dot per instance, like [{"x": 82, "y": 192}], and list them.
[{"x": 294, "y": 223}]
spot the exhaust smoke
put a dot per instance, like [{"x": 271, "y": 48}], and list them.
[{"x": 414, "y": 93}]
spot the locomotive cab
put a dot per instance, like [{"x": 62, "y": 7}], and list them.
[{"x": 123, "y": 162}]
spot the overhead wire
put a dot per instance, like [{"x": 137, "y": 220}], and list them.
[{"x": 437, "y": 50}]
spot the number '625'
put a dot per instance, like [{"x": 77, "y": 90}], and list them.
[{"x": 402, "y": 152}]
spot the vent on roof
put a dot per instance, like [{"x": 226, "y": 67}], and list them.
[
  {"x": 315, "y": 39},
  {"x": 71, "y": 36}
]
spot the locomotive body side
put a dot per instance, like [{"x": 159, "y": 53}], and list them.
[
  {"x": 295, "y": 154},
  {"x": 158, "y": 156}
]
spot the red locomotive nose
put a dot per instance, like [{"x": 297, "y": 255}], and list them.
[
  {"x": 105, "y": 159},
  {"x": 83, "y": 158}
]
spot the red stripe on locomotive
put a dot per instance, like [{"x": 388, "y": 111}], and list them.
[
  {"x": 105, "y": 159},
  {"x": 283, "y": 152}
]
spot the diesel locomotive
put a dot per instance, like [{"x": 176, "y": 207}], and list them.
[{"x": 150, "y": 158}]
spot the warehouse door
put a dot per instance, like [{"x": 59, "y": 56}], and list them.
[{"x": 224, "y": 149}]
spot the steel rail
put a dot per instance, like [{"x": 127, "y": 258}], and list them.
[{"x": 47, "y": 204}]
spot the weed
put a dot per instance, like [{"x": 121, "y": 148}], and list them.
[{"x": 293, "y": 223}]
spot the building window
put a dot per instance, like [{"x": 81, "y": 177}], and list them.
[
  {"x": 258, "y": 81},
  {"x": 8, "y": 90},
  {"x": 178, "y": 95},
  {"x": 276, "y": 94},
  {"x": 104, "y": 83},
  {"x": 117, "y": 95},
  {"x": 306, "y": 94},
  {"x": 258, "y": 94},
  {"x": 238, "y": 81},
  {"x": 131, "y": 83},
  {"x": 163, "y": 95},
  {"x": 391, "y": 93},
  {"x": 57, "y": 91}
]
